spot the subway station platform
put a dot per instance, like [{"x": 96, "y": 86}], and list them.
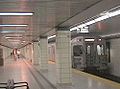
[
  {"x": 23, "y": 70},
  {"x": 80, "y": 34}
]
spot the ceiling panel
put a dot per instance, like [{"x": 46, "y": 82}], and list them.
[{"x": 47, "y": 15}]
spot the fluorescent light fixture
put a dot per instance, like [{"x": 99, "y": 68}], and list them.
[
  {"x": 23, "y": 41},
  {"x": 13, "y": 38},
  {"x": 89, "y": 39},
  {"x": 10, "y": 37},
  {"x": 51, "y": 36},
  {"x": 84, "y": 30},
  {"x": 74, "y": 28},
  {"x": 16, "y": 13},
  {"x": 102, "y": 16},
  {"x": 13, "y": 25},
  {"x": 81, "y": 26},
  {"x": 80, "y": 30},
  {"x": 100, "y": 39},
  {"x": 12, "y": 31},
  {"x": 115, "y": 34},
  {"x": 115, "y": 13},
  {"x": 90, "y": 22},
  {"x": 86, "y": 27}
]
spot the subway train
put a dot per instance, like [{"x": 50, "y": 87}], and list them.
[{"x": 89, "y": 54}]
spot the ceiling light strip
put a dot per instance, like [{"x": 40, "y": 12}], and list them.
[
  {"x": 109, "y": 35},
  {"x": 13, "y": 36},
  {"x": 13, "y": 25},
  {"x": 100, "y": 17},
  {"x": 89, "y": 39},
  {"x": 12, "y": 31},
  {"x": 51, "y": 36},
  {"x": 16, "y": 13}
]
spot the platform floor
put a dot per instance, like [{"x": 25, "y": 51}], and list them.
[{"x": 37, "y": 79}]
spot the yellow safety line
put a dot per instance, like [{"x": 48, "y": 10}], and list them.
[{"x": 106, "y": 81}]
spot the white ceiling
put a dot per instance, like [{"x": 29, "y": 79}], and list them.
[{"x": 47, "y": 15}]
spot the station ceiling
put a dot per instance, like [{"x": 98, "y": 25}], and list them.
[{"x": 47, "y": 14}]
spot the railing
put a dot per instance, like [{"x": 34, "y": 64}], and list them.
[{"x": 12, "y": 85}]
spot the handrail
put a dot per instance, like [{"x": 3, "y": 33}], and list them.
[{"x": 12, "y": 85}]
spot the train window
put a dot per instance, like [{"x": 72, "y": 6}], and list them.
[
  {"x": 88, "y": 49},
  {"x": 108, "y": 51},
  {"x": 100, "y": 50},
  {"x": 77, "y": 50}
]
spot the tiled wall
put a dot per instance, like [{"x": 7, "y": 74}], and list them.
[
  {"x": 115, "y": 56},
  {"x": 63, "y": 57}
]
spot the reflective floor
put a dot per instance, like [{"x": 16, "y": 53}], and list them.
[
  {"x": 19, "y": 72},
  {"x": 80, "y": 80},
  {"x": 23, "y": 71}
]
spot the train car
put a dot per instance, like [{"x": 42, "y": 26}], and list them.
[
  {"x": 87, "y": 54},
  {"x": 78, "y": 53},
  {"x": 90, "y": 54}
]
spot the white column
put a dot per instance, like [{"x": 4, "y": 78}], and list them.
[
  {"x": 36, "y": 54},
  {"x": 24, "y": 52},
  {"x": 63, "y": 56},
  {"x": 43, "y": 53},
  {"x": 27, "y": 52},
  {"x": 30, "y": 51}
]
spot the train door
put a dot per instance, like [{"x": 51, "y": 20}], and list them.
[
  {"x": 90, "y": 55},
  {"x": 108, "y": 51},
  {"x": 101, "y": 61},
  {"x": 78, "y": 57}
]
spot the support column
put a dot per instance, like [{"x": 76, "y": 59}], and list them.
[
  {"x": 27, "y": 52},
  {"x": 63, "y": 56},
  {"x": 24, "y": 52},
  {"x": 43, "y": 53},
  {"x": 36, "y": 54}
]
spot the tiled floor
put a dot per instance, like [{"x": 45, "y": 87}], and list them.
[{"x": 20, "y": 71}]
